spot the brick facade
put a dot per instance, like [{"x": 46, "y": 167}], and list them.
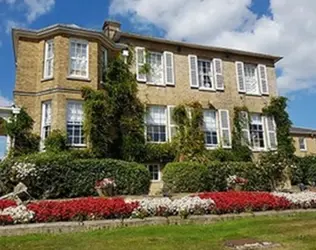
[{"x": 31, "y": 89}]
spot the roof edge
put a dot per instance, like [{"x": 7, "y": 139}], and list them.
[{"x": 198, "y": 46}]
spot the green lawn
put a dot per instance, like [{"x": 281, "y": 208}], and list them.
[{"x": 293, "y": 232}]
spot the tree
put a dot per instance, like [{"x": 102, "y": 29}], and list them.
[
  {"x": 114, "y": 115},
  {"x": 20, "y": 129}
]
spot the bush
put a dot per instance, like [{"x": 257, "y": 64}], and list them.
[
  {"x": 159, "y": 152},
  {"x": 224, "y": 155},
  {"x": 62, "y": 176},
  {"x": 185, "y": 177},
  {"x": 305, "y": 171},
  {"x": 56, "y": 142},
  {"x": 218, "y": 172}
]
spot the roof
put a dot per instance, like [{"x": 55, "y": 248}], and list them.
[
  {"x": 71, "y": 29},
  {"x": 198, "y": 46},
  {"x": 302, "y": 131}
]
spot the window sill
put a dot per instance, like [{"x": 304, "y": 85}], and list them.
[
  {"x": 77, "y": 78},
  {"x": 155, "y": 84},
  {"x": 207, "y": 89},
  {"x": 259, "y": 150},
  {"x": 303, "y": 150},
  {"x": 47, "y": 79},
  {"x": 77, "y": 145},
  {"x": 156, "y": 142},
  {"x": 209, "y": 147},
  {"x": 252, "y": 94}
]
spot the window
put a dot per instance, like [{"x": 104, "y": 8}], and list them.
[
  {"x": 205, "y": 74},
  {"x": 75, "y": 124},
  {"x": 104, "y": 63},
  {"x": 302, "y": 144},
  {"x": 49, "y": 59},
  {"x": 154, "y": 170},
  {"x": 46, "y": 119},
  {"x": 156, "y": 124},
  {"x": 251, "y": 79},
  {"x": 171, "y": 123},
  {"x": 257, "y": 131},
  {"x": 210, "y": 128},
  {"x": 155, "y": 60},
  {"x": 78, "y": 58}
]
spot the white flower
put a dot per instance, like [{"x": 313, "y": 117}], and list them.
[
  {"x": 19, "y": 214},
  {"x": 23, "y": 170},
  {"x": 166, "y": 206},
  {"x": 305, "y": 199}
]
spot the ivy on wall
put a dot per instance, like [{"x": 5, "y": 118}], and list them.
[
  {"x": 277, "y": 109},
  {"x": 189, "y": 141},
  {"x": 114, "y": 116},
  {"x": 240, "y": 145}
]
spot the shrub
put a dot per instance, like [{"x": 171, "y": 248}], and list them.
[
  {"x": 62, "y": 176},
  {"x": 218, "y": 172},
  {"x": 185, "y": 177},
  {"x": 305, "y": 171},
  {"x": 159, "y": 152},
  {"x": 56, "y": 142}
]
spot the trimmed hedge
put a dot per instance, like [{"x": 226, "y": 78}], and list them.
[
  {"x": 185, "y": 177},
  {"x": 63, "y": 176},
  {"x": 305, "y": 171},
  {"x": 195, "y": 177}
]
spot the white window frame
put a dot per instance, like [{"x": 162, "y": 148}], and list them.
[
  {"x": 170, "y": 125},
  {"x": 46, "y": 124},
  {"x": 73, "y": 123},
  {"x": 104, "y": 61},
  {"x": 304, "y": 144},
  {"x": 162, "y": 81},
  {"x": 212, "y": 78},
  {"x": 84, "y": 42},
  {"x": 48, "y": 59},
  {"x": 213, "y": 146},
  {"x": 264, "y": 133},
  {"x": 256, "y": 78},
  {"x": 166, "y": 124},
  {"x": 158, "y": 172}
]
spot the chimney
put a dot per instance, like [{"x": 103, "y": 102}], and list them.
[{"x": 110, "y": 28}]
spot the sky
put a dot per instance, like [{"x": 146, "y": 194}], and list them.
[{"x": 279, "y": 27}]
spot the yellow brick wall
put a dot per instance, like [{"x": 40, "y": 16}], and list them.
[
  {"x": 31, "y": 90},
  {"x": 310, "y": 142}
]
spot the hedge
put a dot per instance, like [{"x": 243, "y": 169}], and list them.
[
  {"x": 63, "y": 176},
  {"x": 195, "y": 177},
  {"x": 185, "y": 177}
]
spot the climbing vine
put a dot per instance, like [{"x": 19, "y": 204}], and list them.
[
  {"x": 277, "y": 109},
  {"x": 189, "y": 141},
  {"x": 240, "y": 145},
  {"x": 114, "y": 123}
]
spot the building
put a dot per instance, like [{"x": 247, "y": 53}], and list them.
[
  {"x": 304, "y": 141},
  {"x": 53, "y": 63}
]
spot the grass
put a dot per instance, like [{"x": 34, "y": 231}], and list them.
[{"x": 292, "y": 232}]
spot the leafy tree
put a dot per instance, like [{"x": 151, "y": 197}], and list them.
[
  {"x": 114, "y": 116},
  {"x": 20, "y": 129}
]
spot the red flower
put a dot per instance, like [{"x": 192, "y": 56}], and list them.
[
  {"x": 7, "y": 203},
  {"x": 236, "y": 202}
]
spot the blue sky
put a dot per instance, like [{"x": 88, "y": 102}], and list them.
[{"x": 281, "y": 27}]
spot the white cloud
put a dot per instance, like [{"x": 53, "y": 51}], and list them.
[
  {"x": 38, "y": 8},
  {"x": 12, "y": 24},
  {"x": 4, "y": 101},
  {"x": 289, "y": 31}
]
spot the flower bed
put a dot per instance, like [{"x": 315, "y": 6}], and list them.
[
  {"x": 100, "y": 208},
  {"x": 237, "y": 202}
]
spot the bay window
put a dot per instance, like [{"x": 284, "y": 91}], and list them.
[
  {"x": 49, "y": 59},
  {"x": 79, "y": 58},
  {"x": 75, "y": 136},
  {"x": 46, "y": 119}
]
